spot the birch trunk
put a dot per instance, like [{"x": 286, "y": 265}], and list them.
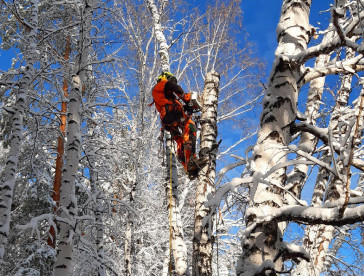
[
  {"x": 262, "y": 247},
  {"x": 161, "y": 39},
  {"x": 203, "y": 239},
  {"x": 68, "y": 200},
  {"x": 8, "y": 177},
  {"x": 179, "y": 248},
  {"x": 97, "y": 208},
  {"x": 178, "y": 245},
  {"x": 60, "y": 148},
  {"x": 166, "y": 263},
  {"x": 98, "y": 220},
  {"x": 129, "y": 249},
  {"x": 308, "y": 141},
  {"x": 338, "y": 187},
  {"x": 318, "y": 237}
]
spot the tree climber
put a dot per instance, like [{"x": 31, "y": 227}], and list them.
[{"x": 176, "y": 118}]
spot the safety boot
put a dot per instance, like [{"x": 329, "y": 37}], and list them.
[{"x": 195, "y": 165}]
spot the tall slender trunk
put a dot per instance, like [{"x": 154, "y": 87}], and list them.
[
  {"x": 129, "y": 248},
  {"x": 308, "y": 141},
  {"x": 60, "y": 147},
  {"x": 336, "y": 190},
  {"x": 68, "y": 200},
  {"x": 98, "y": 218},
  {"x": 161, "y": 39},
  {"x": 261, "y": 249},
  {"x": 178, "y": 245},
  {"x": 7, "y": 179},
  {"x": 318, "y": 237},
  {"x": 203, "y": 239},
  {"x": 166, "y": 263}
]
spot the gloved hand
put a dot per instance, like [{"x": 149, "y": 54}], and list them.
[{"x": 188, "y": 108}]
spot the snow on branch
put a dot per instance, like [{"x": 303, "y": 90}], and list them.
[
  {"x": 235, "y": 182},
  {"x": 342, "y": 39},
  {"x": 293, "y": 251},
  {"x": 127, "y": 205},
  {"x": 321, "y": 133},
  {"x": 310, "y": 215},
  {"x": 339, "y": 67},
  {"x": 227, "y": 168},
  {"x": 318, "y": 215},
  {"x": 295, "y": 149},
  {"x": 33, "y": 224}
]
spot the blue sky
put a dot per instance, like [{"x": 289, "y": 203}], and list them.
[
  {"x": 260, "y": 21},
  {"x": 261, "y": 18}
]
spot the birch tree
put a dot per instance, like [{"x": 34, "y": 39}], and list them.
[
  {"x": 112, "y": 217},
  {"x": 272, "y": 204},
  {"x": 9, "y": 172},
  {"x": 318, "y": 246},
  {"x": 177, "y": 246},
  {"x": 280, "y": 102},
  {"x": 68, "y": 201},
  {"x": 203, "y": 239}
]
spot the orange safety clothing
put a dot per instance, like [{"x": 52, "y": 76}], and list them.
[{"x": 174, "y": 119}]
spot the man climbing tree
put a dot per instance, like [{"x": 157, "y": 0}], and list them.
[{"x": 176, "y": 118}]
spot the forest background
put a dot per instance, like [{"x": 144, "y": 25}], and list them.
[{"x": 90, "y": 186}]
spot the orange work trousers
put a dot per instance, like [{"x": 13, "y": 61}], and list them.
[{"x": 183, "y": 131}]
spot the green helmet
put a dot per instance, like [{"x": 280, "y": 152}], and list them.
[{"x": 167, "y": 76}]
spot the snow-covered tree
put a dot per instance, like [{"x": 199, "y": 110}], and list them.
[{"x": 275, "y": 189}]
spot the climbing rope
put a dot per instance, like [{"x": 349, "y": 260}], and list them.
[{"x": 170, "y": 210}]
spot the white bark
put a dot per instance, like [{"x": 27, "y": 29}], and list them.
[
  {"x": 8, "y": 177},
  {"x": 318, "y": 237},
  {"x": 179, "y": 247},
  {"x": 159, "y": 35},
  {"x": 203, "y": 240},
  {"x": 165, "y": 270},
  {"x": 68, "y": 200},
  {"x": 98, "y": 212},
  {"x": 308, "y": 141},
  {"x": 261, "y": 248},
  {"x": 129, "y": 248}
]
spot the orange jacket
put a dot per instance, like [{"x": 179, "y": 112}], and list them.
[
  {"x": 159, "y": 97},
  {"x": 163, "y": 94}
]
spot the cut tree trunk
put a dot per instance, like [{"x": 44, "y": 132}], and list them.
[{"x": 203, "y": 239}]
